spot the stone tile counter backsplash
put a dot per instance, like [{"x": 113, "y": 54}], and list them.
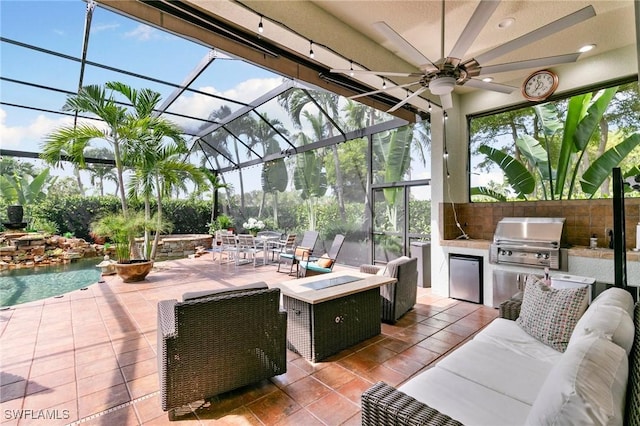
[{"x": 584, "y": 218}]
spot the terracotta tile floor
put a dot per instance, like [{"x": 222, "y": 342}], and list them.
[{"x": 90, "y": 356}]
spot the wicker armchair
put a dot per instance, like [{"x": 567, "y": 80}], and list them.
[
  {"x": 397, "y": 298},
  {"x": 216, "y": 341}
]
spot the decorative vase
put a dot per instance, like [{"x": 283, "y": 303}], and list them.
[
  {"x": 134, "y": 271},
  {"x": 15, "y": 213},
  {"x": 254, "y": 233}
]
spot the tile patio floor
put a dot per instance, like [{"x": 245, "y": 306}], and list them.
[{"x": 90, "y": 356}]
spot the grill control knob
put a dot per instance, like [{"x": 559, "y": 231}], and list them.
[
  {"x": 538, "y": 255},
  {"x": 546, "y": 255}
]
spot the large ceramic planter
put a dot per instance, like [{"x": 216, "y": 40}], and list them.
[
  {"x": 15, "y": 213},
  {"x": 134, "y": 272}
]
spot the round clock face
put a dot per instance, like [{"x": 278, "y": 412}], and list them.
[{"x": 539, "y": 85}]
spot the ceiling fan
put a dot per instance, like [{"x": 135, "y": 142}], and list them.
[{"x": 440, "y": 77}]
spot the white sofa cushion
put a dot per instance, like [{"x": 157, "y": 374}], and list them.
[
  {"x": 506, "y": 333},
  {"x": 468, "y": 402},
  {"x": 606, "y": 321},
  {"x": 615, "y": 296},
  {"x": 499, "y": 368},
  {"x": 550, "y": 314},
  {"x": 587, "y": 386}
]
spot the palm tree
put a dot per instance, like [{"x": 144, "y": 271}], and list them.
[
  {"x": 125, "y": 127},
  {"x": 309, "y": 175},
  {"x": 295, "y": 101},
  {"x": 99, "y": 173},
  {"x": 274, "y": 173},
  {"x": 158, "y": 170}
]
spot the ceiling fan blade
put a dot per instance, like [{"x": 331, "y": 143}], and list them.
[
  {"x": 407, "y": 99},
  {"x": 486, "y": 85},
  {"x": 531, "y": 63},
  {"x": 478, "y": 20},
  {"x": 404, "y": 46},
  {"x": 383, "y": 90},
  {"x": 380, "y": 73},
  {"x": 446, "y": 101},
  {"x": 540, "y": 33}
]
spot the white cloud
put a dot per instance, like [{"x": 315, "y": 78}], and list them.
[
  {"x": 28, "y": 137},
  {"x": 96, "y": 28},
  {"x": 142, "y": 33}
]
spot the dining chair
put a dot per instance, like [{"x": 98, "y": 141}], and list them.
[
  {"x": 247, "y": 247},
  {"x": 310, "y": 265},
  {"x": 286, "y": 245},
  {"x": 309, "y": 239},
  {"x": 229, "y": 246}
]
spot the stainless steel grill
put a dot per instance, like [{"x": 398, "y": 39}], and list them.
[{"x": 533, "y": 241}]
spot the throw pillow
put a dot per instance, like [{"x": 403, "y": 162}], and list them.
[
  {"x": 550, "y": 315},
  {"x": 586, "y": 387},
  {"x": 324, "y": 261},
  {"x": 302, "y": 251}
]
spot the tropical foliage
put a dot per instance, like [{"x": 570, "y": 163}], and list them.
[{"x": 564, "y": 150}]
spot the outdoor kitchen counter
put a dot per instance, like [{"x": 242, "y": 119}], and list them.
[
  {"x": 574, "y": 251},
  {"x": 583, "y": 261}
]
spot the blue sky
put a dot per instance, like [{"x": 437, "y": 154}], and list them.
[{"x": 120, "y": 42}]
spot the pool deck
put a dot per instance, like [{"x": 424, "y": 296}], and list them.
[{"x": 90, "y": 357}]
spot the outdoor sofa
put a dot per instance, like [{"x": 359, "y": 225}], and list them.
[{"x": 506, "y": 376}]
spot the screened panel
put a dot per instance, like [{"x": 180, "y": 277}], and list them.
[
  {"x": 57, "y": 26},
  {"x": 402, "y": 154}
]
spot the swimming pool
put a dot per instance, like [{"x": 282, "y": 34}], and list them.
[{"x": 29, "y": 284}]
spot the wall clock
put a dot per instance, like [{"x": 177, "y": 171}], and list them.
[{"x": 540, "y": 85}]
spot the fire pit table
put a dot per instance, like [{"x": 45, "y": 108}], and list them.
[{"x": 330, "y": 312}]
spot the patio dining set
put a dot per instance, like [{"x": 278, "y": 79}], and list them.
[{"x": 300, "y": 257}]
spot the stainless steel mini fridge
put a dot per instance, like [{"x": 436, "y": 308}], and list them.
[{"x": 465, "y": 278}]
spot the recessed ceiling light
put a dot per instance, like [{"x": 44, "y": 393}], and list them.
[
  {"x": 507, "y": 22},
  {"x": 487, "y": 79},
  {"x": 586, "y": 48}
]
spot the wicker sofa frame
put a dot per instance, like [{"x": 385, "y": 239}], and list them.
[
  {"x": 213, "y": 344},
  {"x": 398, "y": 298},
  {"x": 385, "y": 405}
]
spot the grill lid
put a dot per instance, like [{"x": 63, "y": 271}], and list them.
[{"x": 543, "y": 231}]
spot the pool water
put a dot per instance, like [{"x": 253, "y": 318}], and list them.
[{"x": 29, "y": 284}]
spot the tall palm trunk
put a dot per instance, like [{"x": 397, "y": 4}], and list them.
[
  {"x": 123, "y": 197},
  {"x": 156, "y": 238}
]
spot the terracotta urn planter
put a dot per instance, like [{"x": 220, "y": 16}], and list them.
[{"x": 134, "y": 271}]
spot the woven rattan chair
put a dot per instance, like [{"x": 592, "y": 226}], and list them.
[
  {"x": 397, "y": 298},
  {"x": 214, "y": 342}
]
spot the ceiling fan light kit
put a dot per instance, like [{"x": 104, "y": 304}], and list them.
[{"x": 442, "y": 76}]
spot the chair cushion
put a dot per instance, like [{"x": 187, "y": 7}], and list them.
[
  {"x": 324, "y": 261},
  {"x": 550, "y": 314},
  {"x": 191, "y": 295},
  {"x": 586, "y": 387},
  {"x": 610, "y": 322},
  {"x": 313, "y": 266},
  {"x": 615, "y": 297}
]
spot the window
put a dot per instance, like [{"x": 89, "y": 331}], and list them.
[{"x": 563, "y": 149}]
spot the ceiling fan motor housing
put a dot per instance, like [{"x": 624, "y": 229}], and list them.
[{"x": 442, "y": 85}]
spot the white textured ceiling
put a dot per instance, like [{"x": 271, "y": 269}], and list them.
[{"x": 346, "y": 29}]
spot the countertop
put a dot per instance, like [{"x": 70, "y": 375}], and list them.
[{"x": 578, "y": 251}]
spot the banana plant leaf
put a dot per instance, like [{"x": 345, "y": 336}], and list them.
[
  {"x": 601, "y": 168},
  {"x": 517, "y": 174},
  {"x": 576, "y": 109},
  {"x": 535, "y": 153},
  {"x": 548, "y": 116},
  {"x": 486, "y": 192}
]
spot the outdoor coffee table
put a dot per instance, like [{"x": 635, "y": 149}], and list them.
[{"x": 330, "y": 312}]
